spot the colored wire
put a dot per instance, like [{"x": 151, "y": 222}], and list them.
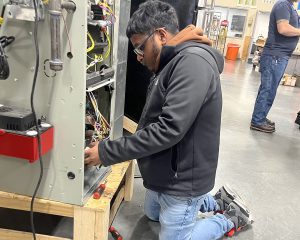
[
  {"x": 109, "y": 45},
  {"x": 96, "y": 59},
  {"x": 99, "y": 58},
  {"x": 107, "y": 8},
  {"x": 92, "y": 41},
  {"x": 105, "y": 5},
  {"x": 101, "y": 125}
]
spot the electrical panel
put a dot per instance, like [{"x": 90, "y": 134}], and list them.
[{"x": 76, "y": 84}]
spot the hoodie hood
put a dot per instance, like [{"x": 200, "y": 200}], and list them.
[
  {"x": 190, "y": 33},
  {"x": 191, "y": 36}
]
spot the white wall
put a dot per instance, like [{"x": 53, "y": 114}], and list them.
[{"x": 261, "y": 25}]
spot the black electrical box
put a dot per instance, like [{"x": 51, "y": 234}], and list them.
[{"x": 15, "y": 119}]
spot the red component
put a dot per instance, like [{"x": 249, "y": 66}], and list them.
[
  {"x": 99, "y": 191},
  {"x": 115, "y": 234},
  {"x": 230, "y": 233},
  {"x": 16, "y": 145},
  {"x": 219, "y": 211},
  {"x": 2, "y": 132},
  {"x": 224, "y": 23}
]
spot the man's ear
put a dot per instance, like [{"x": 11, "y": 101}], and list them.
[{"x": 163, "y": 36}]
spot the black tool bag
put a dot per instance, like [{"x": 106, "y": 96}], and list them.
[{"x": 298, "y": 118}]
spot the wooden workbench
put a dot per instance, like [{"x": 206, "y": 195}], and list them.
[{"x": 91, "y": 221}]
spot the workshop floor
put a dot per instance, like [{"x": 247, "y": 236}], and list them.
[{"x": 264, "y": 168}]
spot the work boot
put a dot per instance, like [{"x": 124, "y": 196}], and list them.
[
  {"x": 239, "y": 214},
  {"x": 297, "y": 121},
  {"x": 263, "y": 127},
  {"x": 224, "y": 196},
  {"x": 271, "y": 123}
]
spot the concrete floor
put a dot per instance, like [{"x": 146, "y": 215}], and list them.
[{"x": 264, "y": 168}]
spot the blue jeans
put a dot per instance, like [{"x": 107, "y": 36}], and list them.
[
  {"x": 272, "y": 69},
  {"x": 178, "y": 217}
]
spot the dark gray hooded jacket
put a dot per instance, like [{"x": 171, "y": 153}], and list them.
[{"x": 177, "y": 140}]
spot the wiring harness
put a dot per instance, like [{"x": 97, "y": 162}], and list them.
[{"x": 97, "y": 120}]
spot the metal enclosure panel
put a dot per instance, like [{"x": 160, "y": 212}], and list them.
[
  {"x": 122, "y": 9},
  {"x": 61, "y": 99}
]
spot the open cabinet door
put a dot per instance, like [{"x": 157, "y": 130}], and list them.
[{"x": 137, "y": 75}]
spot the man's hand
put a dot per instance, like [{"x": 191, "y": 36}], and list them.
[{"x": 91, "y": 155}]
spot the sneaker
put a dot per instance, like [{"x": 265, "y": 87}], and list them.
[
  {"x": 271, "y": 123},
  {"x": 239, "y": 214},
  {"x": 224, "y": 196},
  {"x": 263, "y": 127}
]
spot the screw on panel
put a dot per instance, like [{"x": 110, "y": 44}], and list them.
[
  {"x": 43, "y": 118},
  {"x": 70, "y": 55},
  {"x": 71, "y": 175}
]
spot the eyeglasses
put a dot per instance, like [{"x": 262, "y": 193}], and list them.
[{"x": 139, "y": 50}]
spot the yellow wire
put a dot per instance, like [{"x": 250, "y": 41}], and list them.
[
  {"x": 109, "y": 45},
  {"x": 102, "y": 121},
  {"x": 93, "y": 43},
  {"x": 1, "y": 20},
  {"x": 108, "y": 7},
  {"x": 97, "y": 59}
]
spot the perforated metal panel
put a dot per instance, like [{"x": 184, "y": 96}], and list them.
[{"x": 61, "y": 99}]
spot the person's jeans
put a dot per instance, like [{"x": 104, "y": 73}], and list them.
[
  {"x": 178, "y": 217},
  {"x": 272, "y": 69}
]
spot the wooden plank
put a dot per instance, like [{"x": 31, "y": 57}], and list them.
[
  {"x": 129, "y": 181},
  {"x": 6, "y": 234},
  {"x": 113, "y": 182},
  {"x": 246, "y": 46},
  {"x": 102, "y": 224},
  {"x": 20, "y": 202},
  {"x": 116, "y": 205},
  {"x": 90, "y": 221},
  {"x": 84, "y": 223},
  {"x": 129, "y": 125}
]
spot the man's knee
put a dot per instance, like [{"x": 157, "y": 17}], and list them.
[{"x": 152, "y": 216}]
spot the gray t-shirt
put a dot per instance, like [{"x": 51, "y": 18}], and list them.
[{"x": 277, "y": 44}]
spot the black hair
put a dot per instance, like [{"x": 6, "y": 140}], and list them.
[{"x": 151, "y": 15}]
